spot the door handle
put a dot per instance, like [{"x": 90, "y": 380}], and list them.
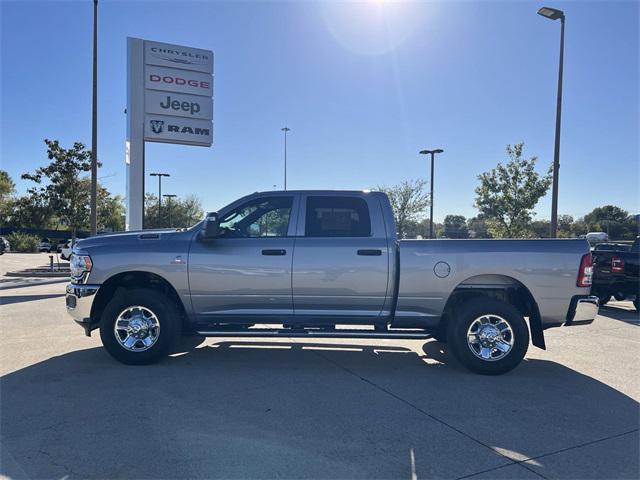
[
  {"x": 274, "y": 252},
  {"x": 370, "y": 253}
]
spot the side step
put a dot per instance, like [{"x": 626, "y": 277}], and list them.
[{"x": 302, "y": 333}]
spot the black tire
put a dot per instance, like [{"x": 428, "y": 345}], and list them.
[
  {"x": 166, "y": 313},
  {"x": 459, "y": 325},
  {"x": 603, "y": 298},
  {"x": 635, "y": 304},
  {"x": 619, "y": 296},
  {"x": 440, "y": 334}
]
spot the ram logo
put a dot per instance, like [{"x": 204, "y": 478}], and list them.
[{"x": 157, "y": 126}]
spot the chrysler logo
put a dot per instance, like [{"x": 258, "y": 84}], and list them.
[{"x": 186, "y": 58}]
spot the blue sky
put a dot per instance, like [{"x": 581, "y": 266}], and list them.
[{"x": 363, "y": 86}]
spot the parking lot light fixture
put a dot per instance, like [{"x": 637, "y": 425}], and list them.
[
  {"x": 555, "y": 14},
  {"x": 286, "y": 130},
  {"x": 159, "y": 175},
  {"x": 432, "y": 153},
  {"x": 551, "y": 13}
]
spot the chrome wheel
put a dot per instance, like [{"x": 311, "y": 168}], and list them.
[
  {"x": 490, "y": 337},
  {"x": 137, "y": 329}
]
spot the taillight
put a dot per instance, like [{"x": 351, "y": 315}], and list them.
[
  {"x": 585, "y": 274},
  {"x": 617, "y": 265}
]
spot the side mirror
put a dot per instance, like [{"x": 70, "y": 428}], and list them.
[{"x": 211, "y": 226}]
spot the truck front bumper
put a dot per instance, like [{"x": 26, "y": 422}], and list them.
[
  {"x": 79, "y": 300},
  {"x": 582, "y": 310}
]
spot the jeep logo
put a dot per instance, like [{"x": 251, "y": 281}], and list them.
[{"x": 191, "y": 107}]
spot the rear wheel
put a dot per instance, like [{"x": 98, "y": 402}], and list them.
[
  {"x": 139, "y": 326},
  {"x": 488, "y": 336}
]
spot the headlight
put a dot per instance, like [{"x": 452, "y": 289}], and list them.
[{"x": 80, "y": 265}]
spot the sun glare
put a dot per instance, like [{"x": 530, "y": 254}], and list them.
[{"x": 372, "y": 27}]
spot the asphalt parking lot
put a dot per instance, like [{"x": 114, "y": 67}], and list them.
[{"x": 221, "y": 408}]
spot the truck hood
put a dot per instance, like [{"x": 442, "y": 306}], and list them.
[{"x": 126, "y": 238}]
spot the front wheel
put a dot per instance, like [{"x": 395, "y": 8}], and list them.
[
  {"x": 139, "y": 326},
  {"x": 488, "y": 336}
]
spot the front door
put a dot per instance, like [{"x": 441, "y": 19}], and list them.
[{"x": 245, "y": 273}]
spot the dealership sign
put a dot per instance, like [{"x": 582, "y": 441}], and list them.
[
  {"x": 170, "y": 100},
  {"x": 178, "y": 82}
]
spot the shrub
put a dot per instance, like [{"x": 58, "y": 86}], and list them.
[{"x": 23, "y": 242}]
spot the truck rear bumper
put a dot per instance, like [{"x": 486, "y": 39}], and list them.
[{"x": 582, "y": 310}]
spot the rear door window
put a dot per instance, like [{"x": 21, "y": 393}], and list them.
[{"x": 338, "y": 216}]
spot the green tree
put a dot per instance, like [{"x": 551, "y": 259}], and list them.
[
  {"x": 540, "y": 229},
  {"x": 565, "y": 226},
  {"x": 611, "y": 219},
  {"x": 184, "y": 212},
  {"x": 508, "y": 194},
  {"x": 478, "y": 228},
  {"x": 455, "y": 226},
  {"x": 31, "y": 211},
  {"x": 7, "y": 189},
  {"x": 61, "y": 184},
  {"x": 409, "y": 201}
]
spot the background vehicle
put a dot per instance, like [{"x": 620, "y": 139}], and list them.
[
  {"x": 5, "y": 246},
  {"x": 61, "y": 244},
  {"x": 595, "y": 237},
  {"x": 45, "y": 245},
  {"x": 318, "y": 261},
  {"x": 65, "y": 251},
  {"x": 615, "y": 273},
  {"x": 612, "y": 247}
]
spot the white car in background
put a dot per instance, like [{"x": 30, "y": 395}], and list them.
[
  {"x": 45, "y": 245},
  {"x": 65, "y": 251}
]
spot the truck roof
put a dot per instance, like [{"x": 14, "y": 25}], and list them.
[{"x": 318, "y": 191}]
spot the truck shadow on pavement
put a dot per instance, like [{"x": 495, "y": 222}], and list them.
[
  {"x": 630, "y": 316},
  {"x": 9, "y": 299},
  {"x": 293, "y": 409}
]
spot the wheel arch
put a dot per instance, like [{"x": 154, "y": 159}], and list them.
[
  {"x": 501, "y": 287},
  {"x": 134, "y": 279}
]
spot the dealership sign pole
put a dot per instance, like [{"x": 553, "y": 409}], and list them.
[{"x": 169, "y": 100}]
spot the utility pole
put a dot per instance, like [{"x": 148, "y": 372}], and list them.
[
  {"x": 169, "y": 196},
  {"x": 159, "y": 175},
  {"x": 94, "y": 127},
  {"x": 286, "y": 130},
  {"x": 432, "y": 153}
]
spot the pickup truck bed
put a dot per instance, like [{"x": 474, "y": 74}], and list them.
[{"x": 308, "y": 262}]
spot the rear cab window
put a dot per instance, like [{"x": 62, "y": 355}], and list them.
[{"x": 337, "y": 216}]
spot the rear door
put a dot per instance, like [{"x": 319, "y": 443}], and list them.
[{"x": 341, "y": 258}]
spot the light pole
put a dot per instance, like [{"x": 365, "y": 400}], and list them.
[
  {"x": 432, "y": 153},
  {"x": 94, "y": 127},
  {"x": 555, "y": 14},
  {"x": 169, "y": 196},
  {"x": 286, "y": 130},
  {"x": 159, "y": 175}
]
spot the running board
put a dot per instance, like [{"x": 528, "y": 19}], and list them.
[{"x": 275, "y": 332}]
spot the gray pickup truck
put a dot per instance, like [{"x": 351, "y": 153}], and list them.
[{"x": 320, "y": 264}]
